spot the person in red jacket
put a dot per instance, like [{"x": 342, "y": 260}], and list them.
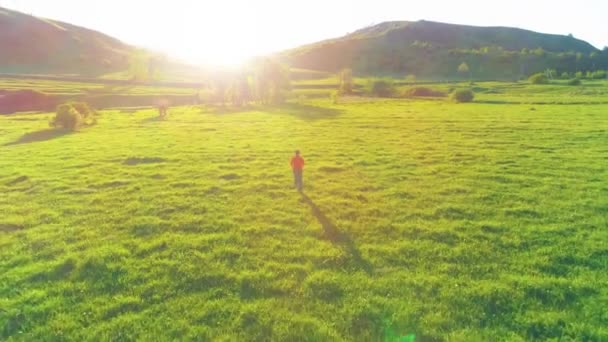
[{"x": 297, "y": 165}]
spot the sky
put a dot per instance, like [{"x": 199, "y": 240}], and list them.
[{"x": 227, "y": 32}]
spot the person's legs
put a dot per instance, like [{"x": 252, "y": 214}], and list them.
[
  {"x": 299, "y": 183},
  {"x": 297, "y": 179}
]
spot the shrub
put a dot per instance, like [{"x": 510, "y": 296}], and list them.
[
  {"x": 73, "y": 115},
  {"x": 463, "y": 95},
  {"x": 67, "y": 117},
  {"x": 83, "y": 109},
  {"x": 598, "y": 75},
  {"x": 539, "y": 78},
  {"x": 423, "y": 92},
  {"x": 565, "y": 76},
  {"x": 382, "y": 88},
  {"x": 579, "y": 74},
  {"x": 575, "y": 82}
]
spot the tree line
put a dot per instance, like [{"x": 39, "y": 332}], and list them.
[{"x": 264, "y": 80}]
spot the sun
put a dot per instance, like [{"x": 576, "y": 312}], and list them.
[
  {"x": 216, "y": 56},
  {"x": 211, "y": 34}
]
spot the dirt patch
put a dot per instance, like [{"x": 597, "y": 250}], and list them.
[
  {"x": 230, "y": 176},
  {"x": 108, "y": 185},
  {"x": 10, "y": 227},
  {"x": 26, "y": 101},
  {"x": 214, "y": 190}
]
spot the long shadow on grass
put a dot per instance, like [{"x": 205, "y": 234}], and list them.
[
  {"x": 304, "y": 112},
  {"x": 38, "y": 136},
  {"x": 540, "y": 103},
  {"x": 227, "y": 109},
  {"x": 153, "y": 119},
  {"x": 301, "y": 111},
  {"x": 337, "y": 237}
]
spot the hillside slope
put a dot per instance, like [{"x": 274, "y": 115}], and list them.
[
  {"x": 436, "y": 49},
  {"x": 36, "y": 45}
]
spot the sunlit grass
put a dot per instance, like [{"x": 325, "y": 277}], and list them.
[{"x": 462, "y": 222}]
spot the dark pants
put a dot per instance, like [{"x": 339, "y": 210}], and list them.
[{"x": 297, "y": 179}]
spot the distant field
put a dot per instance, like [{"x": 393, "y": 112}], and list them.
[
  {"x": 97, "y": 94},
  {"x": 77, "y": 88},
  {"x": 473, "y": 222},
  {"x": 592, "y": 92}
]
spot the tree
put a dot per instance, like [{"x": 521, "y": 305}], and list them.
[
  {"x": 219, "y": 89},
  {"x": 464, "y": 69},
  {"x": 139, "y": 66},
  {"x": 594, "y": 57},
  {"x": 271, "y": 80},
  {"x": 240, "y": 92},
  {"x": 143, "y": 66},
  {"x": 579, "y": 61},
  {"x": 346, "y": 81},
  {"x": 539, "y": 52},
  {"x": 155, "y": 64}
]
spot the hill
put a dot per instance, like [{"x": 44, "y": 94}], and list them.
[
  {"x": 436, "y": 49},
  {"x": 37, "y": 45}
]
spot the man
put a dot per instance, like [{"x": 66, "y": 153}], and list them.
[{"x": 297, "y": 165}]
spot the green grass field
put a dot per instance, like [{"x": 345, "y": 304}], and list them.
[{"x": 470, "y": 222}]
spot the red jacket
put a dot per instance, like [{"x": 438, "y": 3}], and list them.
[{"x": 297, "y": 163}]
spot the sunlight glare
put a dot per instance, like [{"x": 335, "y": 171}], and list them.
[{"x": 211, "y": 33}]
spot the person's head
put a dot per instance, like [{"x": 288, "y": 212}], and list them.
[{"x": 297, "y": 152}]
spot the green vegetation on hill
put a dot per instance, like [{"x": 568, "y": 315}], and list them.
[
  {"x": 482, "y": 221},
  {"x": 435, "y": 50}
]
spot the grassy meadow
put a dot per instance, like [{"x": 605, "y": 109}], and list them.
[{"x": 458, "y": 222}]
